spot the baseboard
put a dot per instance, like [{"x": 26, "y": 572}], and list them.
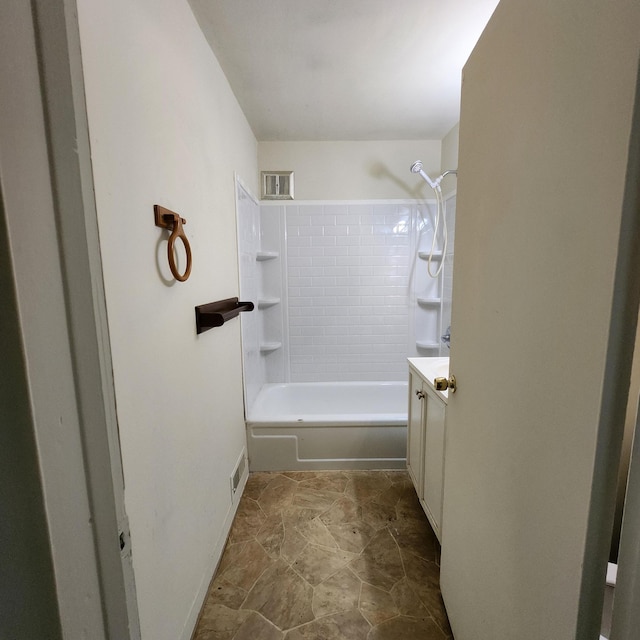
[{"x": 207, "y": 577}]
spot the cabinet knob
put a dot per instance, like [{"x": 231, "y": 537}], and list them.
[
  {"x": 442, "y": 384},
  {"x": 420, "y": 394}
]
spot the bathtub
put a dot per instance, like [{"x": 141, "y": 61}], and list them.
[{"x": 328, "y": 425}]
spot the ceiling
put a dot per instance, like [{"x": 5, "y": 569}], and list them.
[{"x": 345, "y": 69}]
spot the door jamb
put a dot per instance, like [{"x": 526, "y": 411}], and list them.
[
  {"x": 57, "y": 43},
  {"x": 615, "y": 395}
]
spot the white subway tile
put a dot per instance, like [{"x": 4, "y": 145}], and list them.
[
  {"x": 300, "y": 282},
  {"x": 396, "y": 300},
  {"x": 323, "y": 241},
  {"x": 336, "y": 291},
  {"x": 361, "y": 230},
  {"x": 360, "y": 209},
  {"x": 396, "y": 239},
  {"x": 310, "y": 271},
  {"x": 327, "y": 261},
  {"x": 298, "y": 241},
  {"x": 348, "y": 261},
  {"x": 361, "y": 250},
  {"x": 360, "y": 271},
  {"x": 374, "y": 301},
  {"x": 345, "y": 280},
  {"x": 296, "y": 301},
  {"x": 336, "y": 251},
  {"x": 325, "y": 220},
  {"x": 348, "y": 241},
  {"x": 311, "y": 231},
  {"x": 294, "y": 221},
  {"x": 336, "y": 230},
  {"x": 300, "y": 262},
  {"x": 375, "y": 240}
]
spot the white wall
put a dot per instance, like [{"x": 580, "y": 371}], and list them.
[
  {"x": 165, "y": 128},
  {"x": 349, "y": 170},
  {"x": 449, "y": 155}
]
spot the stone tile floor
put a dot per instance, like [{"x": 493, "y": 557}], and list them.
[{"x": 331, "y": 555}]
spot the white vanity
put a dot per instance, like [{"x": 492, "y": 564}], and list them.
[{"x": 426, "y": 434}]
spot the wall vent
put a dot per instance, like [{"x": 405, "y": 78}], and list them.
[
  {"x": 238, "y": 474},
  {"x": 277, "y": 185}
]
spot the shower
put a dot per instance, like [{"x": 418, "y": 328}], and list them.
[{"x": 441, "y": 213}]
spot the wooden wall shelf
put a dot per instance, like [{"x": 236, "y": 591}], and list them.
[{"x": 215, "y": 314}]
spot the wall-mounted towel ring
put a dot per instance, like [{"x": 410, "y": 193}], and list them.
[{"x": 170, "y": 220}]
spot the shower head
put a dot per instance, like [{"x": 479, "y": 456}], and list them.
[{"x": 416, "y": 167}]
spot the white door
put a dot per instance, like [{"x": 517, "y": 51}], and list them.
[{"x": 544, "y": 137}]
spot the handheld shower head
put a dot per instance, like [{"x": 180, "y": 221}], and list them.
[{"x": 416, "y": 167}]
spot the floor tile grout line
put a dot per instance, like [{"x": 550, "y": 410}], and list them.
[
  {"x": 259, "y": 614},
  {"x": 328, "y": 615}
]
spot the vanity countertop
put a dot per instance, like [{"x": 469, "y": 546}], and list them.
[{"x": 430, "y": 368}]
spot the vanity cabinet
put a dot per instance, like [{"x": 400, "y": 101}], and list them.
[{"x": 426, "y": 436}]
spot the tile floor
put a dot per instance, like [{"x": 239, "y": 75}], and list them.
[{"x": 331, "y": 555}]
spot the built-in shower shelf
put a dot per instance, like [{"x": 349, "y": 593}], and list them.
[
  {"x": 265, "y": 303},
  {"x": 268, "y": 347},
  {"x": 424, "y": 255},
  {"x": 427, "y": 346},
  {"x": 423, "y": 302},
  {"x": 261, "y": 256}
]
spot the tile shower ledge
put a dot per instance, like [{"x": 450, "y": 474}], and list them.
[{"x": 261, "y": 256}]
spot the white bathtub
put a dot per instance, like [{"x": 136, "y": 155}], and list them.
[{"x": 328, "y": 425}]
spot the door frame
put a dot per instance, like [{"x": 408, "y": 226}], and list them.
[
  {"x": 55, "y": 248},
  {"x": 626, "y": 606}
]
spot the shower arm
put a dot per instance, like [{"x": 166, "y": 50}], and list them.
[{"x": 446, "y": 173}]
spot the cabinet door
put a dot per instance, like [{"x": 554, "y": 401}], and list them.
[
  {"x": 433, "y": 471},
  {"x": 414, "y": 432}
]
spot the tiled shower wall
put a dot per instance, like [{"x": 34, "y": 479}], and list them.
[
  {"x": 349, "y": 280},
  {"x": 348, "y": 270},
  {"x": 254, "y": 367},
  {"x": 447, "y": 271}
]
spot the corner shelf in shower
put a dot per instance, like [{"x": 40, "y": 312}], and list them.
[
  {"x": 265, "y": 303},
  {"x": 424, "y": 255},
  {"x": 424, "y": 302},
  {"x": 261, "y": 256},
  {"x": 268, "y": 347},
  {"x": 427, "y": 346}
]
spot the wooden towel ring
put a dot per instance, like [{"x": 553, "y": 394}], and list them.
[{"x": 170, "y": 220}]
